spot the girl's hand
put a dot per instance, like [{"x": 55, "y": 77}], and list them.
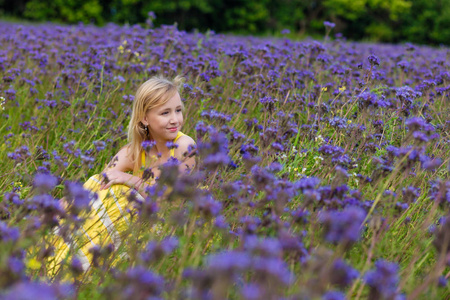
[{"x": 114, "y": 177}]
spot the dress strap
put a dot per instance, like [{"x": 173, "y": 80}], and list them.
[
  {"x": 143, "y": 158},
  {"x": 179, "y": 134}
]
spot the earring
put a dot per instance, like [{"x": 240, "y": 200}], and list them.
[{"x": 146, "y": 130}]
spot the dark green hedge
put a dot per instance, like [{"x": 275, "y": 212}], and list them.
[{"x": 417, "y": 21}]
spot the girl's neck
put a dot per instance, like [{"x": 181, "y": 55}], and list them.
[{"x": 161, "y": 146}]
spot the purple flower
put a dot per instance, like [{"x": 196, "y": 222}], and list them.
[
  {"x": 87, "y": 160},
  {"x": 267, "y": 247},
  {"x": 99, "y": 145},
  {"x": 268, "y": 102},
  {"x": 338, "y": 122},
  {"x": 8, "y": 234},
  {"x": 20, "y": 154},
  {"x": 274, "y": 269},
  {"x": 431, "y": 164},
  {"x": 201, "y": 129},
  {"x": 328, "y": 25},
  {"x": 47, "y": 204},
  {"x": 39, "y": 291},
  {"x": 218, "y": 117},
  {"x": 249, "y": 148},
  {"x": 215, "y": 160},
  {"x": 383, "y": 280},
  {"x": 401, "y": 206},
  {"x": 77, "y": 196},
  {"x": 406, "y": 95},
  {"x": 343, "y": 226},
  {"x": 440, "y": 191},
  {"x": 76, "y": 266},
  {"x": 250, "y": 224},
  {"x": 44, "y": 183},
  {"x": 214, "y": 151},
  {"x": 373, "y": 60},
  {"x": 261, "y": 177},
  {"x": 151, "y": 15},
  {"x": 442, "y": 236},
  {"x": 420, "y": 136},
  {"x": 119, "y": 79},
  {"x": 129, "y": 98},
  {"x": 171, "y": 145},
  {"x": 293, "y": 244},
  {"x": 333, "y": 295},
  {"x": 404, "y": 65},
  {"x": 169, "y": 172},
  {"x": 155, "y": 251},
  {"x": 307, "y": 183},
  {"x": 207, "y": 206},
  {"x": 415, "y": 123},
  {"x": 410, "y": 194},
  {"x": 139, "y": 282},
  {"x": 330, "y": 150},
  {"x": 300, "y": 216},
  {"x": 442, "y": 281},
  {"x": 277, "y": 146},
  {"x": 231, "y": 261},
  {"x": 220, "y": 222},
  {"x": 251, "y": 292},
  {"x": 368, "y": 100},
  {"x": 342, "y": 274},
  {"x": 16, "y": 265},
  {"x": 275, "y": 167},
  {"x": 147, "y": 145}
]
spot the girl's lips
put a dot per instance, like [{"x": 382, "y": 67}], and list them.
[{"x": 173, "y": 129}]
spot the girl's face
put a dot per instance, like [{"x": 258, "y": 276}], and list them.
[{"x": 166, "y": 120}]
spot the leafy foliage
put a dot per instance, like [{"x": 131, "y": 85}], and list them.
[{"x": 418, "y": 21}]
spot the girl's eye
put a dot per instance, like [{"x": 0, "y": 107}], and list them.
[
  {"x": 165, "y": 113},
  {"x": 178, "y": 110}
]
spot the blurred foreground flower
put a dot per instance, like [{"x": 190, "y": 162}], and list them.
[
  {"x": 383, "y": 281},
  {"x": 77, "y": 196},
  {"x": 39, "y": 291},
  {"x": 343, "y": 226},
  {"x": 136, "y": 283},
  {"x": 442, "y": 238},
  {"x": 260, "y": 263}
]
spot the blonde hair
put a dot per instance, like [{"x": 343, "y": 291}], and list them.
[{"x": 154, "y": 92}]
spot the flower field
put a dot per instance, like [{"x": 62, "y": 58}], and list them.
[{"x": 322, "y": 172}]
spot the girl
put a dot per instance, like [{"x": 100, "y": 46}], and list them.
[
  {"x": 156, "y": 120},
  {"x": 157, "y": 116}
]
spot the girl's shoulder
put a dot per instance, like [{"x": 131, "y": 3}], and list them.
[{"x": 185, "y": 144}]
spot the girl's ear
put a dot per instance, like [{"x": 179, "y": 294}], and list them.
[{"x": 144, "y": 121}]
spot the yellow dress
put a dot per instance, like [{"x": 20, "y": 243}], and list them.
[{"x": 105, "y": 223}]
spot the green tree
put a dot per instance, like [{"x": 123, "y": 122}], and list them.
[
  {"x": 373, "y": 19},
  {"x": 298, "y": 15},
  {"x": 67, "y": 11},
  {"x": 441, "y": 29},
  {"x": 417, "y": 21},
  {"x": 188, "y": 14},
  {"x": 428, "y": 22}
]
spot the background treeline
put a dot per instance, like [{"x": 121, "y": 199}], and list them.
[{"x": 416, "y": 21}]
